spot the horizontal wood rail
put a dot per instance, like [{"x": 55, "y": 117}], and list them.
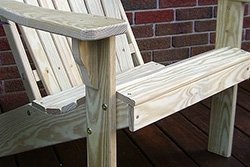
[{"x": 75, "y": 25}]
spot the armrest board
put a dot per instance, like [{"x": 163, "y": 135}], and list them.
[{"x": 75, "y": 25}]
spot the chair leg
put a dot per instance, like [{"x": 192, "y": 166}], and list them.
[
  {"x": 100, "y": 101},
  {"x": 222, "y": 118}
]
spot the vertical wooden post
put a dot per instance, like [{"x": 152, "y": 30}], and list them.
[
  {"x": 98, "y": 59},
  {"x": 228, "y": 33}
]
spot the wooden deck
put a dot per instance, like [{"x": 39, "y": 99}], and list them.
[{"x": 177, "y": 141}]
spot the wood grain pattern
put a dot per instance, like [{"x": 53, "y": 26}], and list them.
[
  {"x": 87, "y": 63},
  {"x": 183, "y": 73},
  {"x": 137, "y": 57},
  {"x": 229, "y": 33},
  {"x": 68, "y": 100},
  {"x": 109, "y": 9},
  {"x": 63, "y": 51},
  {"x": 79, "y": 26},
  {"x": 122, "y": 45},
  {"x": 180, "y": 85},
  {"x": 100, "y": 104},
  {"x": 28, "y": 128},
  {"x": 22, "y": 60}
]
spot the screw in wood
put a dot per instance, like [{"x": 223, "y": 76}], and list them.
[
  {"x": 28, "y": 113},
  {"x": 104, "y": 107},
  {"x": 89, "y": 131}
]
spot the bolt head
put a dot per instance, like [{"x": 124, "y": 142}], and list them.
[
  {"x": 104, "y": 107},
  {"x": 89, "y": 131}
]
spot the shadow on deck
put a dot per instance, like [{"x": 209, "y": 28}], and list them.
[{"x": 176, "y": 141}]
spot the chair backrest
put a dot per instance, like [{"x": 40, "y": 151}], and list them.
[{"x": 52, "y": 54}]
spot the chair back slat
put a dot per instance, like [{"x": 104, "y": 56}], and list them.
[
  {"x": 64, "y": 51},
  {"x": 52, "y": 54},
  {"x": 110, "y": 9}
]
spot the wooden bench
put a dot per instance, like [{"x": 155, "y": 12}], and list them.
[{"x": 138, "y": 95}]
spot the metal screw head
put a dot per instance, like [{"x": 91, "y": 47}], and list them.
[
  {"x": 28, "y": 113},
  {"x": 104, "y": 107},
  {"x": 89, "y": 131}
]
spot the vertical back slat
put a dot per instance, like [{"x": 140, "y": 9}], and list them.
[
  {"x": 64, "y": 51},
  {"x": 110, "y": 9},
  {"x": 78, "y": 6},
  {"x": 52, "y": 56},
  {"x": 42, "y": 64},
  {"x": 53, "y": 53},
  {"x": 137, "y": 57}
]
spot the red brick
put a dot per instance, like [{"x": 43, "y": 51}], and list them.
[
  {"x": 147, "y": 56},
  {"x": 246, "y": 46},
  {"x": 1, "y": 88},
  {"x": 201, "y": 49},
  {"x": 2, "y": 33},
  {"x": 203, "y": 26},
  {"x": 4, "y": 45},
  {"x": 10, "y": 72},
  {"x": 143, "y": 31},
  {"x": 215, "y": 11},
  {"x": 176, "y": 3},
  {"x": 190, "y": 40},
  {"x": 154, "y": 43},
  {"x": 6, "y": 58},
  {"x": 130, "y": 18},
  {"x": 212, "y": 38},
  {"x": 246, "y": 11},
  {"x": 154, "y": 16},
  {"x": 170, "y": 55},
  {"x": 138, "y": 4},
  {"x": 194, "y": 13},
  {"x": 12, "y": 101},
  {"x": 247, "y": 36},
  {"x": 246, "y": 23},
  {"x": 207, "y": 2},
  {"x": 15, "y": 85},
  {"x": 174, "y": 28}
]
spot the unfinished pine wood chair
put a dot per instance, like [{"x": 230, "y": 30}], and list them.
[{"x": 119, "y": 90}]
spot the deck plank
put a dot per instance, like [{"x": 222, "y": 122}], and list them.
[
  {"x": 243, "y": 99},
  {"x": 8, "y": 161},
  {"x": 159, "y": 148},
  {"x": 44, "y": 157},
  {"x": 72, "y": 153},
  {"x": 194, "y": 142},
  {"x": 199, "y": 116},
  {"x": 246, "y": 85},
  {"x": 128, "y": 153},
  {"x": 179, "y": 140}
]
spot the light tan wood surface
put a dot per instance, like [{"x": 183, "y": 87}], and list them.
[
  {"x": 22, "y": 60},
  {"x": 79, "y": 26},
  {"x": 183, "y": 84},
  {"x": 228, "y": 33},
  {"x": 101, "y": 103}
]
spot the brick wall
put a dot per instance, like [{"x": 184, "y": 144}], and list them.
[
  {"x": 171, "y": 30},
  {"x": 166, "y": 31}
]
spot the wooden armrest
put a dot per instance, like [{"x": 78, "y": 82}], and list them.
[{"x": 75, "y": 25}]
